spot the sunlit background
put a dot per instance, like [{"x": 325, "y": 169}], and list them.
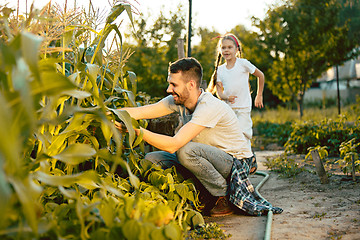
[{"x": 220, "y": 15}]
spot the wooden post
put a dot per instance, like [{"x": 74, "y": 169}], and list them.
[
  {"x": 180, "y": 47},
  {"x": 319, "y": 167},
  {"x": 353, "y": 167}
]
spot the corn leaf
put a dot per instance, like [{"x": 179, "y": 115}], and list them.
[
  {"x": 76, "y": 153},
  {"x": 89, "y": 178},
  {"x": 115, "y": 12},
  {"x": 125, "y": 117},
  {"x": 30, "y": 45}
]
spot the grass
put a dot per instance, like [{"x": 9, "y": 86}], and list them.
[{"x": 282, "y": 115}]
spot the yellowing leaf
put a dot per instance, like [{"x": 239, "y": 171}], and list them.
[
  {"x": 88, "y": 177},
  {"x": 30, "y": 45},
  {"x": 76, "y": 153}
]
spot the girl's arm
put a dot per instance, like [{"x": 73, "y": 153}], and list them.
[
  {"x": 220, "y": 91},
  {"x": 221, "y": 95},
  {"x": 260, "y": 88}
]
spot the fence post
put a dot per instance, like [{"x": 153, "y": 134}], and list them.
[
  {"x": 319, "y": 166},
  {"x": 180, "y": 48}
]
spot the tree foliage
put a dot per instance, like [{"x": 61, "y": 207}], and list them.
[
  {"x": 154, "y": 47},
  {"x": 303, "y": 38},
  {"x": 205, "y": 51}
]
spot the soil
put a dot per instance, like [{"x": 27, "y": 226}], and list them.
[{"x": 311, "y": 210}]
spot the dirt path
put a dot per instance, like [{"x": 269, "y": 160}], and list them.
[{"x": 311, "y": 210}]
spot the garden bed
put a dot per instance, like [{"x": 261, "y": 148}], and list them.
[{"x": 311, "y": 210}]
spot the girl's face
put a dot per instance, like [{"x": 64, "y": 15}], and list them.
[{"x": 228, "y": 49}]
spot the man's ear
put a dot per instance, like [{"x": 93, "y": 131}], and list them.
[{"x": 192, "y": 83}]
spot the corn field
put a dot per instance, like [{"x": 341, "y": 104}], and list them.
[{"x": 66, "y": 172}]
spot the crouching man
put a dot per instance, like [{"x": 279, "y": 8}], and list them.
[{"x": 208, "y": 142}]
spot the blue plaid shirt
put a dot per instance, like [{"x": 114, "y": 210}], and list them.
[{"x": 242, "y": 193}]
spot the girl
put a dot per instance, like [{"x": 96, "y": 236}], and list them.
[{"x": 231, "y": 81}]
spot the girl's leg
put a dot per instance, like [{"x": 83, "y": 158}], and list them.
[
  {"x": 210, "y": 165},
  {"x": 246, "y": 124}
]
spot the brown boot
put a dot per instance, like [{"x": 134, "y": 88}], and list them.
[{"x": 221, "y": 208}]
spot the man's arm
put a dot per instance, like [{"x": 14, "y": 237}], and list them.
[
  {"x": 172, "y": 144},
  {"x": 148, "y": 111}
]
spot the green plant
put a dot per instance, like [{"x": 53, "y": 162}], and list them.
[
  {"x": 323, "y": 153},
  {"x": 278, "y": 131},
  {"x": 65, "y": 170},
  {"x": 330, "y": 133},
  {"x": 208, "y": 231},
  {"x": 349, "y": 151},
  {"x": 284, "y": 165}
]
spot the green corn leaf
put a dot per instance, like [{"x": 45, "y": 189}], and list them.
[
  {"x": 115, "y": 12},
  {"x": 30, "y": 45},
  {"x": 69, "y": 193},
  {"x": 77, "y": 93},
  {"x": 51, "y": 83},
  {"x": 76, "y": 153},
  {"x": 134, "y": 180},
  {"x": 132, "y": 77},
  {"x": 131, "y": 97},
  {"x": 67, "y": 37},
  {"x": 125, "y": 117},
  {"x": 128, "y": 10},
  {"x": 9, "y": 145},
  {"x": 5, "y": 191},
  {"x": 89, "y": 178},
  {"x": 107, "y": 131},
  {"x": 20, "y": 74},
  {"x": 27, "y": 192}
]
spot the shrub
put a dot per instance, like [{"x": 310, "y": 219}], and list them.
[
  {"x": 285, "y": 165},
  {"x": 278, "y": 131},
  {"x": 330, "y": 133}
]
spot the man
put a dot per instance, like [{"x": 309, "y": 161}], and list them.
[{"x": 209, "y": 139}]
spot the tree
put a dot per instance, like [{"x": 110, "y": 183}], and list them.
[
  {"x": 255, "y": 51},
  {"x": 350, "y": 12},
  {"x": 303, "y": 38},
  {"x": 154, "y": 47},
  {"x": 205, "y": 51}
]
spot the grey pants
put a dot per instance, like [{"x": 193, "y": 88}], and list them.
[{"x": 210, "y": 165}]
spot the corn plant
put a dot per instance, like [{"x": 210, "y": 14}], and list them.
[{"x": 65, "y": 170}]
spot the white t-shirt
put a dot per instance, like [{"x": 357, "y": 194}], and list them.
[
  {"x": 236, "y": 82},
  {"x": 222, "y": 130}
]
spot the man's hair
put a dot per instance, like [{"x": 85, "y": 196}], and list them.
[{"x": 190, "y": 69}]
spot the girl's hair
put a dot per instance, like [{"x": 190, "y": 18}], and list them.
[{"x": 212, "y": 84}]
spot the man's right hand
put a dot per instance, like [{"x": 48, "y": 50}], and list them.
[{"x": 119, "y": 125}]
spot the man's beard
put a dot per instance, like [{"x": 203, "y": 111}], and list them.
[{"x": 181, "y": 98}]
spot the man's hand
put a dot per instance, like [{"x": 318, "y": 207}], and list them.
[{"x": 122, "y": 128}]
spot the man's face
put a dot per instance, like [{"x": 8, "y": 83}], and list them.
[{"x": 178, "y": 88}]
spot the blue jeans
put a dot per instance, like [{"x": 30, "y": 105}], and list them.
[{"x": 210, "y": 165}]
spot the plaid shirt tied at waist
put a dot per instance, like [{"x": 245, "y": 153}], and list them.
[{"x": 242, "y": 193}]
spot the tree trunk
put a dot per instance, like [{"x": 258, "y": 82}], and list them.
[{"x": 300, "y": 104}]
